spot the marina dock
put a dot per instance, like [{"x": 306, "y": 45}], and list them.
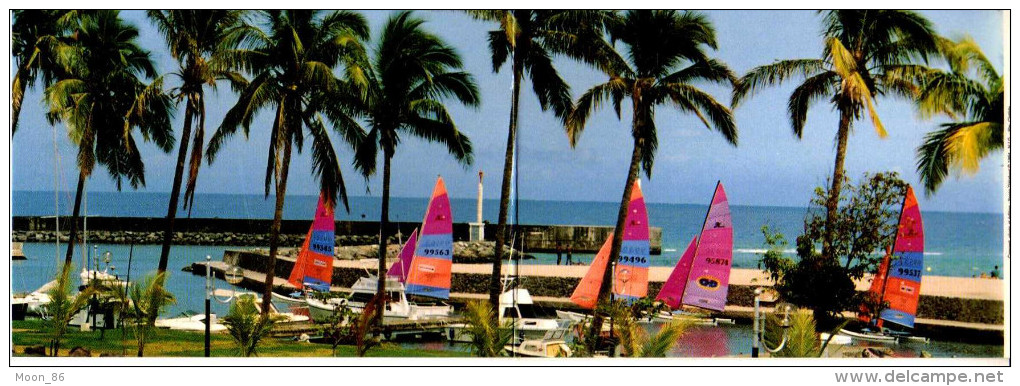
[{"x": 971, "y": 307}]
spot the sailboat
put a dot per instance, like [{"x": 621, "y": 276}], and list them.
[
  {"x": 630, "y": 276},
  {"x": 313, "y": 269},
  {"x": 701, "y": 276},
  {"x": 427, "y": 275},
  {"x": 898, "y": 280}
]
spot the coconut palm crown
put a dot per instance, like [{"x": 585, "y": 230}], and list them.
[
  {"x": 867, "y": 54},
  {"x": 971, "y": 93}
]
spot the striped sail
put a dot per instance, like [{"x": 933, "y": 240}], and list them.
[
  {"x": 630, "y": 279},
  {"x": 903, "y": 280},
  {"x": 433, "y": 255},
  {"x": 402, "y": 266},
  {"x": 672, "y": 291},
  {"x": 314, "y": 265},
  {"x": 708, "y": 282},
  {"x": 587, "y": 292}
]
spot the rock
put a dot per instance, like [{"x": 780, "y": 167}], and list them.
[
  {"x": 79, "y": 352},
  {"x": 35, "y": 350}
]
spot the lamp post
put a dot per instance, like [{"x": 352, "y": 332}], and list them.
[
  {"x": 233, "y": 275},
  {"x": 758, "y": 325}
]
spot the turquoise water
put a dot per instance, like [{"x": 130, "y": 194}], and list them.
[
  {"x": 956, "y": 244},
  {"x": 43, "y": 262}
]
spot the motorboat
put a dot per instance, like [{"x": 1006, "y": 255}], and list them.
[
  {"x": 869, "y": 336},
  {"x": 397, "y": 308},
  {"x": 190, "y": 321},
  {"x": 518, "y": 306},
  {"x": 552, "y": 345}
]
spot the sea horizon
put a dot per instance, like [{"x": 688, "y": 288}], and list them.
[{"x": 484, "y": 199}]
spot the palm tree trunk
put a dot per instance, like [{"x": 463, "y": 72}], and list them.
[
  {"x": 74, "y": 221},
  {"x": 274, "y": 233},
  {"x": 832, "y": 203},
  {"x": 504, "y": 196},
  {"x": 384, "y": 219},
  {"x": 614, "y": 252},
  {"x": 175, "y": 190}
]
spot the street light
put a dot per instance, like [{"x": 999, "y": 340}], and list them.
[
  {"x": 233, "y": 275},
  {"x": 759, "y": 324}
]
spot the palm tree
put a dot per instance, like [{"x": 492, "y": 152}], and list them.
[
  {"x": 292, "y": 66},
  {"x": 665, "y": 54},
  {"x": 976, "y": 105},
  {"x": 149, "y": 298},
  {"x": 867, "y": 53},
  {"x": 412, "y": 72},
  {"x": 34, "y": 37},
  {"x": 101, "y": 99},
  {"x": 198, "y": 39},
  {"x": 528, "y": 39}
]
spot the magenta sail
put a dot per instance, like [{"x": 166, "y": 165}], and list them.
[
  {"x": 402, "y": 266},
  {"x": 672, "y": 291},
  {"x": 708, "y": 282}
]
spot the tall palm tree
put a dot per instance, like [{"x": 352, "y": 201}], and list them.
[
  {"x": 197, "y": 39},
  {"x": 528, "y": 39},
  {"x": 665, "y": 53},
  {"x": 867, "y": 53},
  {"x": 35, "y": 35},
  {"x": 412, "y": 72},
  {"x": 975, "y": 103},
  {"x": 102, "y": 98},
  {"x": 292, "y": 68}
]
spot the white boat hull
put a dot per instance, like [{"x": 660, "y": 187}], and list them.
[{"x": 873, "y": 337}]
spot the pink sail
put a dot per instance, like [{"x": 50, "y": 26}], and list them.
[
  {"x": 631, "y": 275},
  {"x": 314, "y": 265},
  {"x": 402, "y": 266},
  {"x": 433, "y": 255},
  {"x": 708, "y": 283},
  {"x": 672, "y": 291}
]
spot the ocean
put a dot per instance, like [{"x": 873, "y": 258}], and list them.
[{"x": 956, "y": 244}]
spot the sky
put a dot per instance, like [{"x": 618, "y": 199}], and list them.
[{"x": 770, "y": 166}]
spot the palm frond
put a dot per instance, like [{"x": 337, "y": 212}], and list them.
[
  {"x": 774, "y": 74},
  {"x": 590, "y": 101}
]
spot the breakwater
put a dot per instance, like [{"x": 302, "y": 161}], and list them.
[{"x": 255, "y": 232}]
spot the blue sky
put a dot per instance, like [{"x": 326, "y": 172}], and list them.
[{"x": 769, "y": 167}]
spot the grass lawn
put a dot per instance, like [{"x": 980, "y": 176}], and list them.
[{"x": 169, "y": 343}]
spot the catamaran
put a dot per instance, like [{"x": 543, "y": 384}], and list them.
[
  {"x": 898, "y": 281},
  {"x": 427, "y": 274},
  {"x": 630, "y": 278},
  {"x": 313, "y": 269},
  {"x": 701, "y": 276}
]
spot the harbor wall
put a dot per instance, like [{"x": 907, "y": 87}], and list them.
[{"x": 255, "y": 232}]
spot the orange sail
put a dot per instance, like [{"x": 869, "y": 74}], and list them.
[{"x": 586, "y": 294}]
